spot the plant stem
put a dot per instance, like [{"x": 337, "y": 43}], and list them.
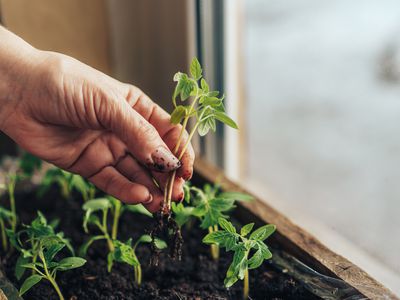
[
  {"x": 117, "y": 213},
  {"x": 214, "y": 249},
  {"x": 11, "y": 189},
  {"x": 105, "y": 231},
  {"x": 52, "y": 281},
  {"x": 138, "y": 274},
  {"x": 3, "y": 235},
  {"x": 246, "y": 284}
]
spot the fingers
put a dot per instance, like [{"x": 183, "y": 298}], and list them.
[
  {"x": 131, "y": 169},
  {"x": 170, "y": 133},
  {"x": 142, "y": 139},
  {"x": 114, "y": 183}
]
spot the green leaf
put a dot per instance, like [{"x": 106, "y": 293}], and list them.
[
  {"x": 221, "y": 204},
  {"x": 160, "y": 244},
  {"x": 204, "y": 86},
  {"x": 226, "y": 225},
  {"x": 182, "y": 214},
  {"x": 178, "y": 114},
  {"x": 125, "y": 253},
  {"x": 264, "y": 250},
  {"x": 5, "y": 214},
  {"x": 29, "y": 282},
  {"x": 195, "y": 69},
  {"x": 200, "y": 210},
  {"x": 236, "y": 196},
  {"x": 222, "y": 117},
  {"x": 187, "y": 87},
  {"x": 52, "y": 251},
  {"x": 69, "y": 263},
  {"x": 186, "y": 191},
  {"x": 263, "y": 232},
  {"x": 246, "y": 229},
  {"x": 222, "y": 238},
  {"x": 145, "y": 238},
  {"x": 256, "y": 260},
  {"x": 203, "y": 128},
  {"x": 19, "y": 269},
  {"x": 138, "y": 208},
  {"x": 96, "y": 204}
]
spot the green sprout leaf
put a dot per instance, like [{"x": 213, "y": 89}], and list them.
[
  {"x": 195, "y": 69},
  {"x": 246, "y": 229},
  {"x": 138, "y": 208},
  {"x": 263, "y": 232},
  {"x": 70, "y": 263},
  {"x": 29, "y": 282},
  {"x": 220, "y": 116},
  {"x": 178, "y": 114}
]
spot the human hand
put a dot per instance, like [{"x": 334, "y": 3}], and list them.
[{"x": 85, "y": 122}]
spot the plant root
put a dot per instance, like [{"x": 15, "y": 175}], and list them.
[{"x": 166, "y": 228}]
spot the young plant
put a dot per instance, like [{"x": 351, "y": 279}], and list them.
[
  {"x": 67, "y": 182},
  {"x": 250, "y": 251},
  {"x": 125, "y": 253},
  {"x": 205, "y": 109},
  {"x": 39, "y": 241},
  {"x": 101, "y": 206},
  {"x": 209, "y": 205}
]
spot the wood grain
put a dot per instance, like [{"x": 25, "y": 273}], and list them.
[{"x": 297, "y": 241}]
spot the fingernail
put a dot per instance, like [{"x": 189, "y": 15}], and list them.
[
  {"x": 181, "y": 197},
  {"x": 149, "y": 200},
  {"x": 163, "y": 160}
]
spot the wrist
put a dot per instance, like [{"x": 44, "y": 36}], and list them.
[{"x": 17, "y": 60}]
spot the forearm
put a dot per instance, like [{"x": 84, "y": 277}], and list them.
[{"x": 16, "y": 58}]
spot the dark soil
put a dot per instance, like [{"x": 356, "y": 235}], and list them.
[{"x": 196, "y": 276}]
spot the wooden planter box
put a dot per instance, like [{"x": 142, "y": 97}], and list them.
[
  {"x": 340, "y": 273},
  {"x": 322, "y": 271}
]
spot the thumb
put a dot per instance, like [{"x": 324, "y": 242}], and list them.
[{"x": 142, "y": 139}]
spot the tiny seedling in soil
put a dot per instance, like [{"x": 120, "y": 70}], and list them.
[
  {"x": 125, "y": 253},
  {"x": 250, "y": 251},
  {"x": 208, "y": 205},
  {"x": 205, "y": 109},
  {"x": 67, "y": 183},
  {"x": 6, "y": 217},
  {"x": 39, "y": 244},
  {"x": 11, "y": 181},
  {"x": 103, "y": 206}
]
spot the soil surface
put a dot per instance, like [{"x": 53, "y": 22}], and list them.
[{"x": 196, "y": 276}]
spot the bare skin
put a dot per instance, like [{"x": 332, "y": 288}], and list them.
[{"x": 88, "y": 123}]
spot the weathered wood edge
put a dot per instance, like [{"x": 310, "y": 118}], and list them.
[{"x": 298, "y": 242}]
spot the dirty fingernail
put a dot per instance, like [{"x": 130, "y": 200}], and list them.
[
  {"x": 150, "y": 199},
  {"x": 163, "y": 160}
]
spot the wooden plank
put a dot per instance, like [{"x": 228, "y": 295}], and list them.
[{"x": 297, "y": 241}]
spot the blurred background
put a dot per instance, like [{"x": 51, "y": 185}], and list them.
[{"x": 315, "y": 86}]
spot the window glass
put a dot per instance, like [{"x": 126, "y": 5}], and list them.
[{"x": 323, "y": 121}]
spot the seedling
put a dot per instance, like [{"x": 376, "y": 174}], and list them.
[
  {"x": 40, "y": 241},
  {"x": 206, "y": 108},
  {"x": 209, "y": 205},
  {"x": 250, "y": 251},
  {"x": 67, "y": 182},
  {"x": 101, "y": 206},
  {"x": 125, "y": 253}
]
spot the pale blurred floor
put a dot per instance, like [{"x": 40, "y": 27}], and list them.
[{"x": 324, "y": 117}]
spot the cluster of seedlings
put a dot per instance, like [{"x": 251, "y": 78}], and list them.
[{"x": 44, "y": 251}]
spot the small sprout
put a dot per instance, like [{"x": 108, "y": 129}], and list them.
[
  {"x": 125, "y": 253},
  {"x": 11, "y": 181},
  {"x": 67, "y": 183},
  {"x": 250, "y": 251},
  {"x": 40, "y": 241},
  {"x": 210, "y": 205},
  {"x": 91, "y": 207}
]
